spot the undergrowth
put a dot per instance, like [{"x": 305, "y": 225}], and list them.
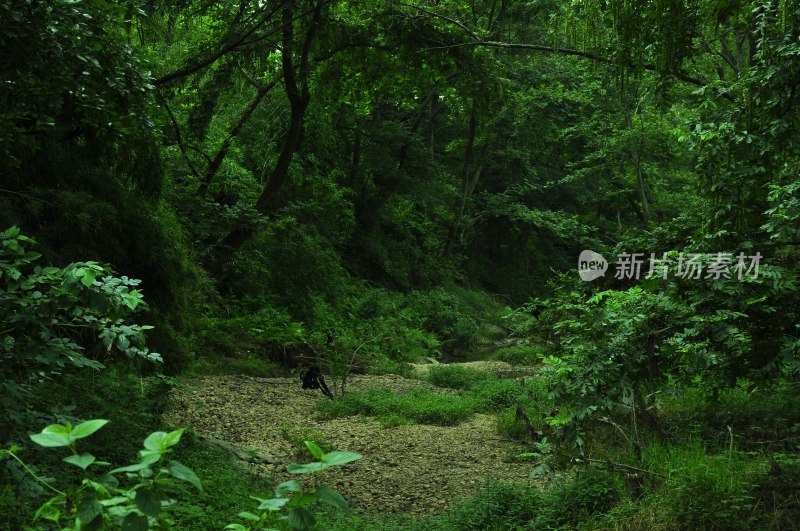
[{"x": 419, "y": 406}]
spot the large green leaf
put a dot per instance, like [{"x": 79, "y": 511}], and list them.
[
  {"x": 135, "y": 522},
  {"x": 301, "y": 518},
  {"x": 160, "y": 440},
  {"x": 273, "y": 504},
  {"x": 249, "y": 516},
  {"x": 83, "y": 460},
  {"x": 341, "y": 458},
  {"x": 315, "y": 450},
  {"x": 182, "y": 472},
  {"x": 89, "y": 509},
  {"x": 51, "y": 440},
  {"x": 307, "y": 468},
  {"x": 130, "y": 468},
  {"x": 331, "y": 496},
  {"x": 155, "y": 441},
  {"x": 84, "y": 429},
  {"x": 288, "y": 486},
  {"x": 57, "y": 428},
  {"x": 149, "y": 501},
  {"x": 88, "y": 277}
]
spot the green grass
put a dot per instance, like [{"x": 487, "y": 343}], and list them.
[
  {"x": 767, "y": 413},
  {"x": 417, "y": 407},
  {"x": 456, "y": 376},
  {"x": 503, "y": 506},
  {"x": 227, "y": 487},
  {"x": 249, "y": 366}
]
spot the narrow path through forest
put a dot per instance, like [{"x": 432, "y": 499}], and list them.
[{"x": 412, "y": 468}]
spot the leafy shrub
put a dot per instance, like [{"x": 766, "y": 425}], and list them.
[
  {"x": 289, "y": 509},
  {"x": 520, "y": 354},
  {"x": 56, "y": 319},
  {"x": 419, "y": 406},
  {"x": 253, "y": 332},
  {"x": 456, "y": 376},
  {"x": 441, "y": 313},
  {"x": 101, "y": 500}
]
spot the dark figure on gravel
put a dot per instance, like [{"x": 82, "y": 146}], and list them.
[{"x": 312, "y": 378}]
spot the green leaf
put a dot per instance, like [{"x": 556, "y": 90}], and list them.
[
  {"x": 48, "y": 511},
  {"x": 51, "y": 440},
  {"x": 89, "y": 509},
  {"x": 108, "y": 481},
  {"x": 135, "y": 522},
  {"x": 173, "y": 437},
  {"x": 249, "y": 516},
  {"x": 302, "y": 498},
  {"x": 332, "y": 497},
  {"x": 155, "y": 441},
  {"x": 307, "y": 468},
  {"x": 341, "y": 458},
  {"x": 84, "y": 429},
  {"x": 184, "y": 473},
  {"x": 301, "y": 518},
  {"x": 274, "y": 504},
  {"x": 82, "y": 461},
  {"x": 57, "y": 428},
  {"x": 288, "y": 486},
  {"x": 150, "y": 456},
  {"x": 237, "y": 527},
  {"x": 148, "y": 501},
  {"x": 88, "y": 277},
  {"x": 315, "y": 450},
  {"x": 160, "y": 440},
  {"x": 112, "y": 502},
  {"x": 132, "y": 468}
]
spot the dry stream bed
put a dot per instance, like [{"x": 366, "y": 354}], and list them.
[{"x": 414, "y": 468}]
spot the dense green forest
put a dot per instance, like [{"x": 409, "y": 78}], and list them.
[{"x": 499, "y": 264}]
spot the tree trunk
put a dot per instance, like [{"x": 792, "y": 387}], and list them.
[
  {"x": 298, "y": 93},
  {"x": 469, "y": 180},
  {"x": 215, "y": 164}
]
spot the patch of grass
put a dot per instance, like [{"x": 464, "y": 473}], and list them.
[
  {"x": 456, "y": 376},
  {"x": 384, "y": 365},
  {"x": 496, "y": 394},
  {"x": 769, "y": 413},
  {"x": 692, "y": 488},
  {"x": 249, "y": 366},
  {"x": 393, "y": 420},
  {"x": 504, "y": 506},
  {"x": 227, "y": 486},
  {"x": 418, "y": 407},
  {"x": 298, "y": 435}
]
